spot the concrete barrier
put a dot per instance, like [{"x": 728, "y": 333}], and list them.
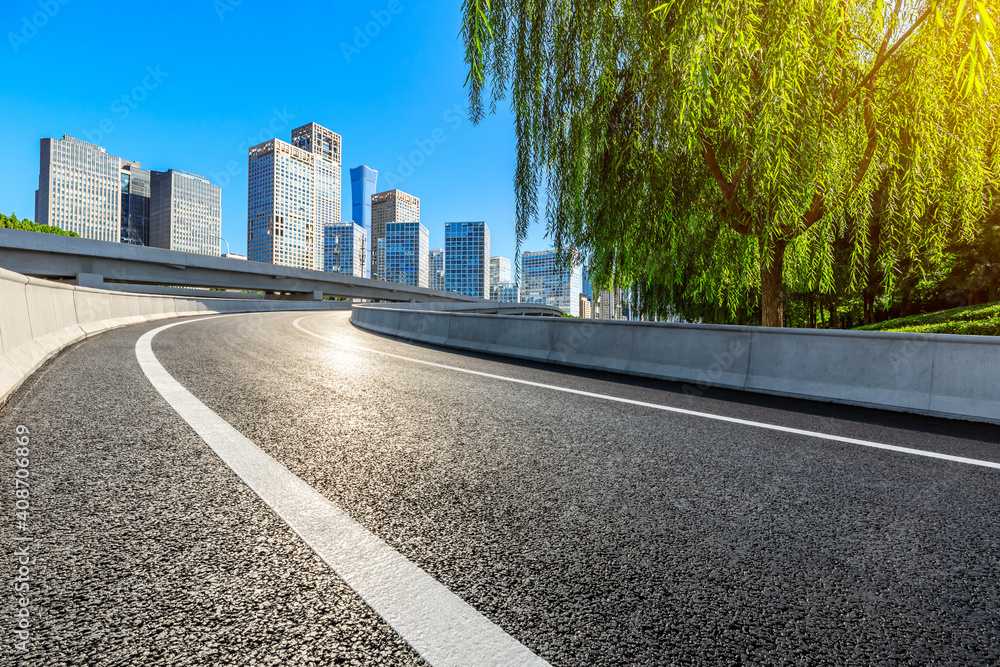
[
  {"x": 934, "y": 374},
  {"x": 38, "y": 318}
]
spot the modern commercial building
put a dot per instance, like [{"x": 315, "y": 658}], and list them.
[
  {"x": 185, "y": 212},
  {"x": 586, "y": 310},
  {"x": 547, "y": 280},
  {"x": 388, "y": 207},
  {"x": 79, "y": 189},
  {"x": 293, "y": 194},
  {"x": 585, "y": 288},
  {"x": 344, "y": 249},
  {"x": 135, "y": 185},
  {"x": 435, "y": 266},
  {"x": 608, "y": 304},
  {"x": 499, "y": 270},
  {"x": 505, "y": 293},
  {"x": 363, "y": 180},
  {"x": 467, "y": 258},
  {"x": 406, "y": 253}
]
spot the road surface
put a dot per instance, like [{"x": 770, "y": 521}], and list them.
[{"x": 562, "y": 517}]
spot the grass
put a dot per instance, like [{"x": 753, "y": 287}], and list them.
[{"x": 982, "y": 320}]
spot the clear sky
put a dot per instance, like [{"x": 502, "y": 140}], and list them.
[{"x": 190, "y": 84}]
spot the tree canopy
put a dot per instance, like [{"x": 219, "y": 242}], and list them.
[
  {"x": 11, "y": 222},
  {"x": 712, "y": 154}
]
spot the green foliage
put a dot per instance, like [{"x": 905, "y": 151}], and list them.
[
  {"x": 11, "y": 222},
  {"x": 700, "y": 151},
  {"x": 983, "y": 320}
]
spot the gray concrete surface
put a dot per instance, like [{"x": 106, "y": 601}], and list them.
[
  {"x": 596, "y": 533},
  {"x": 936, "y": 374}
]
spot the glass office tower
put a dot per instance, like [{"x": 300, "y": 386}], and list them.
[
  {"x": 344, "y": 249},
  {"x": 390, "y": 206},
  {"x": 436, "y": 268},
  {"x": 363, "y": 179},
  {"x": 185, "y": 213},
  {"x": 467, "y": 258},
  {"x": 545, "y": 280},
  {"x": 406, "y": 250},
  {"x": 135, "y": 183}
]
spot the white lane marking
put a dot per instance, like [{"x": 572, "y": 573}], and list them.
[
  {"x": 667, "y": 408},
  {"x": 445, "y": 630}
]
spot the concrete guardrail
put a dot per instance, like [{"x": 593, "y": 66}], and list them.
[
  {"x": 934, "y": 374},
  {"x": 38, "y": 318}
]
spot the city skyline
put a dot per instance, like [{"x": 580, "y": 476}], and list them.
[{"x": 167, "y": 109}]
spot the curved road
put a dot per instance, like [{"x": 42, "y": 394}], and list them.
[{"x": 575, "y": 527}]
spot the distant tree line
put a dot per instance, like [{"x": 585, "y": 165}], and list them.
[{"x": 11, "y": 222}]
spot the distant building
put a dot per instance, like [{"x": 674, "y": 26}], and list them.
[
  {"x": 234, "y": 255},
  {"x": 294, "y": 192},
  {"x": 387, "y": 207},
  {"x": 435, "y": 259},
  {"x": 344, "y": 249},
  {"x": 363, "y": 180},
  {"x": 406, "y": 253},
  {"x": 499, "y": 270},
  {"x": 185, "y": 212},
  {"x": 467, "y": 258},
  {"x": 99, "y": 196},
  {"x": 135, "y": 188},
  {"x": 505, "y": 293},
  {"x": 546, "y": 280},
  {"x": 79, "y": 189},
  {"x": 585, "y": 288},
  {"x": 608, "y": 304},
  {"x": 585, "y": 307}
]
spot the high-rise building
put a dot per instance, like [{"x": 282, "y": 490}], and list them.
[
  {"x": 406, "y": 250},
  {"x": 185, "y": 212},
  {"x": 546, "y": 280},
  {"x": 390, "y": 206},
  {"x": 79, "y": 189},
  {"x": 585, "y": 288},
  {"x": 467, "y": 258},
  {"x": 99, "y": 196},
  {"x": 505, "y": 293},
  {"x": 435, "y": 261},
  {"x": 135, "y": 184},
  {"x": 499, "y": 270},
  {"x": 294, "y": 192},
  {"x": 344, "y": 249},
  {"x": 586, "y": 311},
  {"x": 363, "y": 179},
  {"x": 608, "y": 304}
]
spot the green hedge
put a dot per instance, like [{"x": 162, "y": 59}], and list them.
[{"x": 982, "y": 320}]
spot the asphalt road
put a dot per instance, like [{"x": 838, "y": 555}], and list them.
[{"x": 592, "y": 532}]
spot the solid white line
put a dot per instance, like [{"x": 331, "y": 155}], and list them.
[
  {"x": 656, "y": 406},
  {"x": 440, "y": 626}
]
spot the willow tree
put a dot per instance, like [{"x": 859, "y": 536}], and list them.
[{"x": 714, "y": 150}]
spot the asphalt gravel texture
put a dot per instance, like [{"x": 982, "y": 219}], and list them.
[{"x": 593, "y": 532}]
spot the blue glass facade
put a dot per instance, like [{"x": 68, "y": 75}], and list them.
[
  {"x": 467, "y": 258},
  {"x": 344, "y": 249},
  {"x": 363, "y": 181},
  {"x": 545, "y": 280},
  {"x": 406, "y": 251}
]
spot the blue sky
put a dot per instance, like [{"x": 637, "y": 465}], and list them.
[{"x": 190, "y": 84}]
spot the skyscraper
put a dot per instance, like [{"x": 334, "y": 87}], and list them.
[
  {"x": 294, "y": 192},
  {"x": 79, "y": 189},
  {"x": 344, "y": 249},
  {"x": 467, "y": 258},
  {"x": 499, "y": 270},
  {"x": 406, "y": 250},
  {"x": 545, "y": 280},
  {"x": 391, "y": 206},
  {"x": 185, "y": 212},
  {"x": 363, "y": 179},
  {"x": 436, "y": 268},
  {"x": 135, "y": 185},
  {"x": 99, "y": 196}
]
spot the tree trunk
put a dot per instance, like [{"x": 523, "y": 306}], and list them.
[{"x": 772, "y": 306}]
